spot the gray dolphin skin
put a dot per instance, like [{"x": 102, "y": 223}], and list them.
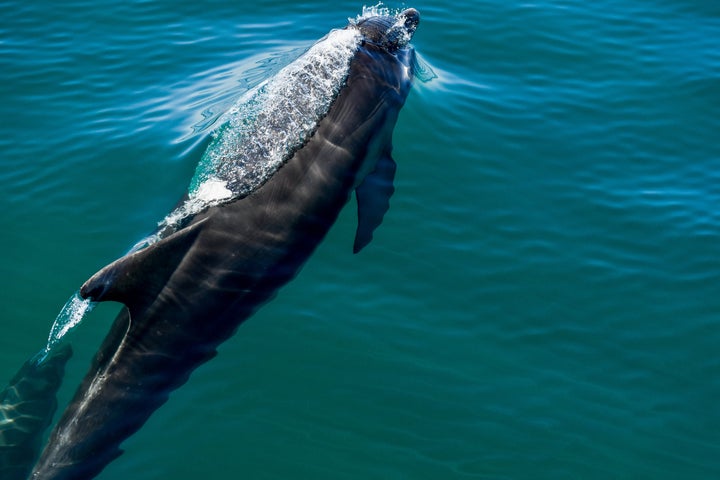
[
  {"x": 27, "y": 405},
  {"x": 278, "y": 171}
]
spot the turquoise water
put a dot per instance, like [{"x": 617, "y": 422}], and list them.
[{"x": 542, "y": 300}]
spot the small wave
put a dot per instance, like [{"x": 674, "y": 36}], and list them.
[
  {"x": 221, "y": 87},
  {"x": 424, "y": 72}
]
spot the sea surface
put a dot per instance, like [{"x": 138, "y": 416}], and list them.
[{"x": 542, "y": 300}]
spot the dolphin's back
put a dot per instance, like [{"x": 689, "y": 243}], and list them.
[{"x": 188, "y": 291}]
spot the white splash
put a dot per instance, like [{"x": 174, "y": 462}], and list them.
[
  {"x": 213, "y": 190},
  {"x": 266, "y": 126},
  {"x": 69, "y": 317},
  {"x": 377, "y": 10}
]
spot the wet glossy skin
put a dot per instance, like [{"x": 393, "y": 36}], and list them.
[{"x": 189, "y": 292}]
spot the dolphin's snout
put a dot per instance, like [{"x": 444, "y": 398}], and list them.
[{"x": 411, "y": 19}]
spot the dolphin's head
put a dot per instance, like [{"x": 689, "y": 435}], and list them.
[{"x": 391, "y": 32}]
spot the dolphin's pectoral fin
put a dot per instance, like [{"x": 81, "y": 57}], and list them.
[
  {"x": 373, "y": 198},
  {"x": 137, "y": 278}
]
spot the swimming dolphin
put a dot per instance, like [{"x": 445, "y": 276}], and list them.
[
  {"x": 27, "y": 405},
  {"x": 278, "y": 171}
]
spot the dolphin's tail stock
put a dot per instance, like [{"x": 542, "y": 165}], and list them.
[{"x": 27, "y": 405}]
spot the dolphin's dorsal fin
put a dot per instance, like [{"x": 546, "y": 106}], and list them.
[
  {"x": 138, "y": 277},
  {"x": 373, "y": 199}
]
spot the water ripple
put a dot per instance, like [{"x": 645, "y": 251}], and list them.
[{"x": 540, "y": 302}]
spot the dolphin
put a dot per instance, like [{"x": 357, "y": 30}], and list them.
[
  {"x": 274, "y": 178},
  {"x": 27, "y": 405}
]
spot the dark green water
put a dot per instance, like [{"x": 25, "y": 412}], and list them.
[{"x": 542, "y": 300}]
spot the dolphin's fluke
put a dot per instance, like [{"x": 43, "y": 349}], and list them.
[{"x": 26, "y": 408}]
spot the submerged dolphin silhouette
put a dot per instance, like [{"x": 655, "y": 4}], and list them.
[
  {"x": 271, "y": 184},
  {"x": 27, "y": 405}
]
